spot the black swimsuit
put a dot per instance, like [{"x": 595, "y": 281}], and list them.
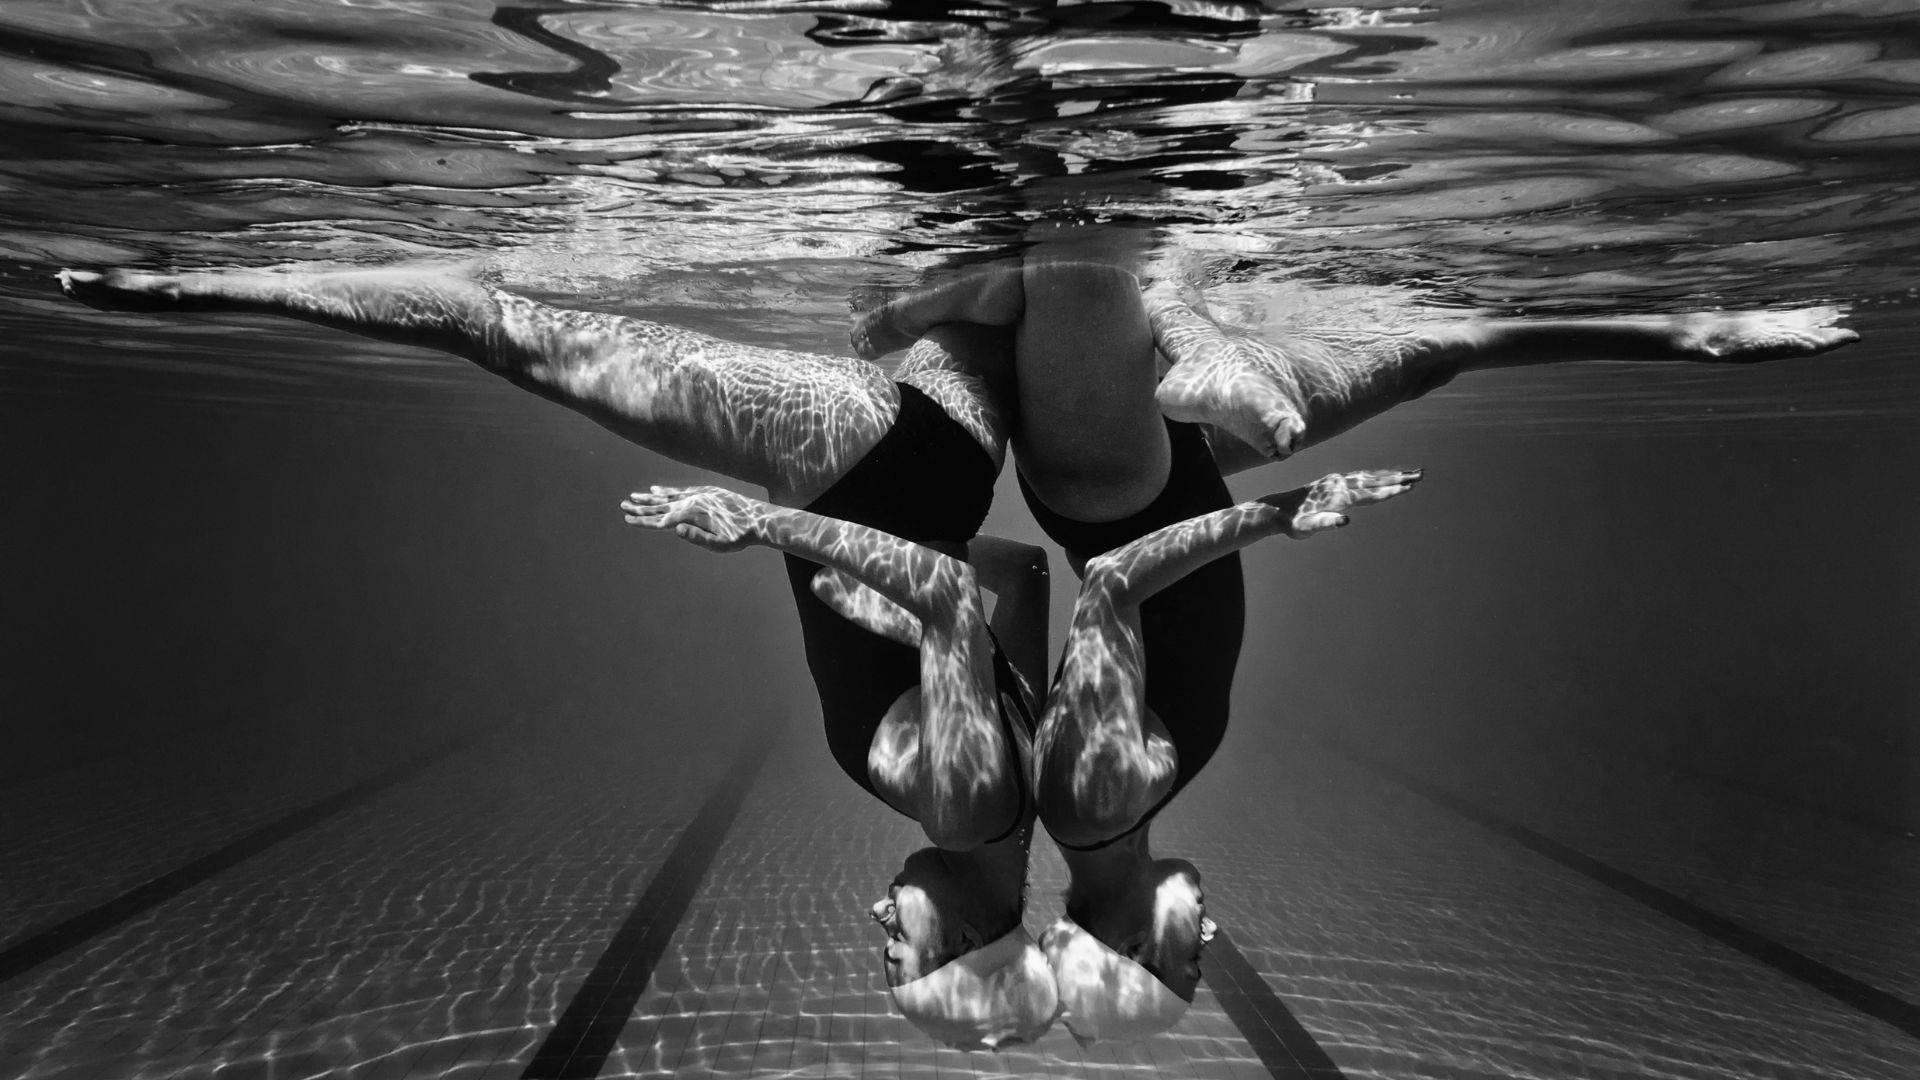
[
  {"x": 1190, "y": 630},
  {"x": 927, "y": 479}
]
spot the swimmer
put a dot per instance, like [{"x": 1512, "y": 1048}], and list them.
[
  {"x": 1107, "y": 453},
  {"x": 1101, "y": 468},
  {"x": 914, "y": 451},
  {"x": 1117, "y": 759},
  {"x": 1278, "y": 397},
  {"x": 957, "y": 960}
]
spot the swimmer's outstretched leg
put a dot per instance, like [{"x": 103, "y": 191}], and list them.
[
  {"x": 793, "y": 422},
  {"x": 940, "y": 755},
  {"x": 1101, "y": 758},
  {"x": 1282, "y": 396}
]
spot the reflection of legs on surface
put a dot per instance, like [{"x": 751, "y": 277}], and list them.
[
  {"x": 1103, "y": 759},
  {"x": 1284, "y": 395},
  {"x": 940, "y": 755},
  {"x": 790, "y": 421}
]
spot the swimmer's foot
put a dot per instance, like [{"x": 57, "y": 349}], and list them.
[
  {"x": 1324, "y": 503},
  {"x": 1243, "y": 386},
  {"x": 1754, "y": 336},
  {"x": 130, "y": 290},
  {"x": 878, "y": 333},
  {"x": 1241, "y": 391}
]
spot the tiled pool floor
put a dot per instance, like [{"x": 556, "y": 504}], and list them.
[{"x": 446, "y": 923}]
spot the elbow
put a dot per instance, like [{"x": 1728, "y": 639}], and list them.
[{"x": 949, "y": 587}]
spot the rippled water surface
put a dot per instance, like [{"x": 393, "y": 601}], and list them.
[
  {"x": 752, "y": 167},
  {"x": 1662, "y": 616}
]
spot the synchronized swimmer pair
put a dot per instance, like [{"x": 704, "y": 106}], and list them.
[{"x": 877, "y": 484}]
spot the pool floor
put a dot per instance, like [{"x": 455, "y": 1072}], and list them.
[{"x": 507, "y": 906}]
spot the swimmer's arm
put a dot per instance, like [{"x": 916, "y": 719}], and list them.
[
  {"x": 1139, "y": 569},
  {"x": 923, "y": 581},
  {"x": 944, "y": 763},
  {"x": 866, "y": 608},
  {"x": 1017, "y": 575}
]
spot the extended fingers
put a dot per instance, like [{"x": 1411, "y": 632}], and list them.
[
  {"x": 1387, "y": 477},
  {"x": 1376, "y": 485},
  {"x": 1380, "y": 494},
  {"x": 655, "y": 508},
  {"x": 1385, "y": 485},
  {"x": 1318, "y": 521},
  {"x": 652, "y": 517},
  {"x": 665, "y": 493}
]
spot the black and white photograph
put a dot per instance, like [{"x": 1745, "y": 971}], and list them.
[{"x": 811, "y": 538}]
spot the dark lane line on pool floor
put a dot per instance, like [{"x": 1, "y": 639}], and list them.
[
  {"x": 1287, "y": 1050},
  {"x": 1836, "y": 984},
  {"x": 589, "y": 1028},
  {"x": 69, "y": 933}
]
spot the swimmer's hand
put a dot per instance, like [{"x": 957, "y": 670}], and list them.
[
  {"x": 711, "y": 517},
  {"x": 1322, "y": 504}
]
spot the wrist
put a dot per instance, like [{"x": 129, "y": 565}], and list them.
[{"x": 765, "y": 523}]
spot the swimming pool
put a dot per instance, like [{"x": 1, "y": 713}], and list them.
[{"x": 352, "y": 733}]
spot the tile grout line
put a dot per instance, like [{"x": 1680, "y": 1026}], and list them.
[
  {"x": 1836, "y": 984},
  {"x": 76, "y": 930},
  {"x": 1283, "y": 1045},
  {"x": 589, "y": 1028}
]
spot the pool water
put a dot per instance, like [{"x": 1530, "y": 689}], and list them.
[{"x": 349, "y": 732}]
